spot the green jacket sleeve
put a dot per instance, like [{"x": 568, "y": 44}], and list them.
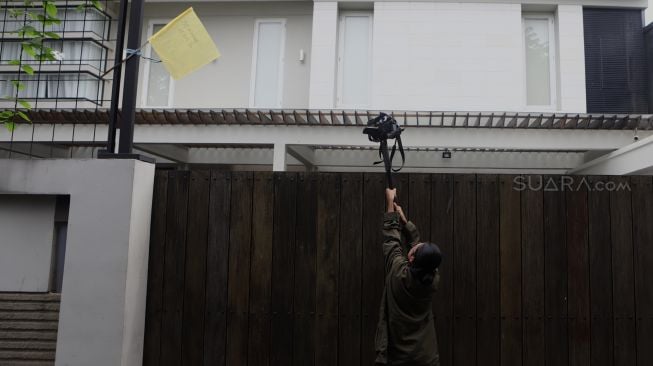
[
  {"x": 392, "y": 241},
  {"x": 412, "y": 234}
]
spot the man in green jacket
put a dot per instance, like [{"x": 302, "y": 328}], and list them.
[{"x": 406, "y": 333}]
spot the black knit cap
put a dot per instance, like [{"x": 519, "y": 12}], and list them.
[{"x": 427, "y": 258}]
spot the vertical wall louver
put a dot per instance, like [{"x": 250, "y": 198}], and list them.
[{"x": 615, "y": 61}]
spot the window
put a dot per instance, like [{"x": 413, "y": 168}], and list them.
[
  {"x": 266, "y": 86},
  {"x": 158, "y": 83},
  {"x": 53, "y": 86},
  {"x": 539, "y": 49},
  {"x": 354, "y": 60}
]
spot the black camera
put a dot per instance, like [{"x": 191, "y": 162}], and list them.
[{"x": 382, "y": 128}]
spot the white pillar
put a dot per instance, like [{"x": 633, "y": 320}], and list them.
[
  {"x": 571, "y": 60},
  {"x": 279, "y": 159},
  {"x": 323, "y": 55},
  {"x": 102, "y": 314}
]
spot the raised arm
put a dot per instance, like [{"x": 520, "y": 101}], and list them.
[
  {"x": 391, "y": 233},
  {"x": 412, "y": 234}
]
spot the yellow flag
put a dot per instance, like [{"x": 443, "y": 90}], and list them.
[{"x": 184, "y": 45}]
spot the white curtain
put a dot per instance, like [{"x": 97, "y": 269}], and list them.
[{"x": 158, "y": 80}]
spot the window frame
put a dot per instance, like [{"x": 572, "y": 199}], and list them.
[
  {"x": 252, "y": 79},
  {"x": 553, "y": 63},
  {"x": 147, "y": 65},
  {"x": 340, "y": 58}
]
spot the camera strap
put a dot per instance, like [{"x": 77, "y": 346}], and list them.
[{"x": 397, "y": 146}]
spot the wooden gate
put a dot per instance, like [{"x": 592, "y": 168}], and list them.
[{"x": 286, "y": 269}]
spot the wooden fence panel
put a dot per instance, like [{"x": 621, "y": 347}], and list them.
[
  {"x": 600, "y": 260},
  {"x": 192, "y": 350},
  {"x": 555, "y": 277},
  {"x": 488, "y": 299},
  {"x": 173, "y": 277},
  {"x": 239, "y": 268},
  {"x": 305, "y": 271},
  {"x": 372, "y": 262},
  {"x": 328, "y": 235},
  {"x": 578, "y": 272},
  {"x": 287, "y": 268},
  {"x": 154, "y": 301},
  {"x": 533, "y": 273},
  {"x": 350, "y": 251},
  {"x": 623, "y": 280},
  {"x": 643, "y": 243},
  {"x": 261, "y": 270},
  {"x": 442, "y": 209},
  {"x": 283, "y": 255},
  {"x": 217, "y": 269},
  {"x": 511, "y": 281},
  {"x": 464, "y": 275}
]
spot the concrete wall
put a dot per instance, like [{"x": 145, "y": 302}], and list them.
[
  {"x": 226, "y": 82},
  {"x": 26, "y": 238},
  {"x": 102, "y": 312}
]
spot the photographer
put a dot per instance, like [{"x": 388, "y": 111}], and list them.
[{"x": 406, "y": 332}]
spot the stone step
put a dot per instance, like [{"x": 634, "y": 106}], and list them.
[
  {"x": 27, "y": 325},
  {"x": 29, "y": 306},
  {"x": 44, "y": 335},
  {"x": 29, "y": 297},
  {"x": 28, "y": 315},
  {"x": 25, "y": 355},
  {"x": 28, "y": 345}
]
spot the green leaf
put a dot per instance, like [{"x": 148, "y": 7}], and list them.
[
  {"x": 22, "y": 115},
  {"x": 18, "y": 85},
  {"x": 14, "y": 62},
  {"x": 6, "y": 115},
  {"x": 25, "y": 104},
  {"x": 29, "y": 49},
  {"x": 52, "y": 35},
  {"x": 80, "y": 8},
  {"x": 96, "y": 4},
  {"x": 15, "y": 13},
  {"x": 50, "y": 8},
  {"x": 27, "y": 68},
  {"x": 10, "y": 126}
]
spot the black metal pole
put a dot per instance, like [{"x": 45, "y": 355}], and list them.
[
  {"x": 130, "y": 85},
  {"x": 117, "y": 75},
  {"x": 386, "y": 163}
]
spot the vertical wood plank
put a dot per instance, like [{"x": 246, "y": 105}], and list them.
[
  {"x": 510, "y": 245},
  {"x": 239, "y": 268},
  {"x": 192, "y": 350},
  {"x": 442, "y": 212},
  {"x": 261, "y": 270},
  {"x": 350, "y": 252},
  {"x": 488, "y": 300},
  {"x": 623, "y": 280},
  {"x": 600, "y": 260},
  {"x": 420, "y": 204},
  {"x": 328, "y": 233},
  {"x": 643, "y": 243},
  {"x": 373, "y": 273},
  {"x": 578, "y": 272},
  {"x": 305, "y": 271},
  {"x": 175, "y": 256},
  {"x": 154, "y": 306},
  {"x": 555, "y": 270},
  {"x": 283, "y": 253},
  {"x": 533, "y": 272},
  {"x": 464, "y": 257},
  {"x": 217, "y": 269}
]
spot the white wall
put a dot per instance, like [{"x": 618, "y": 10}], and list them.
[
  {"x": 447, "y": 56},
  {"x": 225, "y": 83},
  {"x": 102, "y": 314},
  {"x": 26, "y": 238}
]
